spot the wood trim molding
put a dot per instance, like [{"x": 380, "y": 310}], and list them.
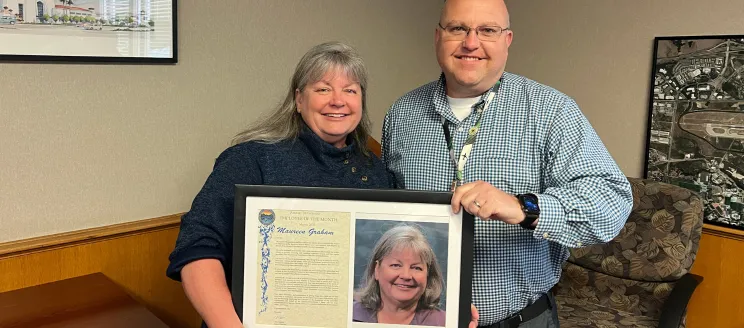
[
  {"x": 66, "y": 239},
  {"x": 723, "y": 232},
  {"x": 374, "y": 146}
]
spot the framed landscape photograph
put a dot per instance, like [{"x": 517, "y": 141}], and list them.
[
  {"x": 335, "y": 255},
  {"x": 133, "y": 31},
  {"x": 696, "y": 121}
]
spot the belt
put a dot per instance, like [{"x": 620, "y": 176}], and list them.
[{"x": 528, "y": 313}]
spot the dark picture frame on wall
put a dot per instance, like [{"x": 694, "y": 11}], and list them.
[
  {"x": 695, "y": 136},
  {"x": 105, "y": 31}
]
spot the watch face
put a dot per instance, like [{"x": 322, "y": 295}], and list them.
[{"x": 530, "y": 203}]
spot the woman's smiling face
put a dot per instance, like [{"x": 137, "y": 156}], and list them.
[
  {"x": 331, "y": 107},
  {"x": 401, "y": 276}
]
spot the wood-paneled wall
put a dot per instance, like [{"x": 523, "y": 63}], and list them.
[
  {"x": 133, "y": 255},
  {"x": 718, "y": 301}
]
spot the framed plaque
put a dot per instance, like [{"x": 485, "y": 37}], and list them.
[{"x": 338, "y": 258}]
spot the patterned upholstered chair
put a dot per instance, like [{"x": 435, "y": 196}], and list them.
[{"x": 641, "y": 278}]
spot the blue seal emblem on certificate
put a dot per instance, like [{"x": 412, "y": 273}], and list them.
[{"x": 266, "y": 217}]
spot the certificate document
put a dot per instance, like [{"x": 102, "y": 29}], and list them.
[
  {"x": 303, "y": 270},
  {"x": 321, "y": 257}
]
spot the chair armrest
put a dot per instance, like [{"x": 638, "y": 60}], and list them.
[{"x": 676, "y": 304}]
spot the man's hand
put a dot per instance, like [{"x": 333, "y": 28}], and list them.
[
  {"x": 473, "y": 317},
  {"x": 487, "y": 202}
]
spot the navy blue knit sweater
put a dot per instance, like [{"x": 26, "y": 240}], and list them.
[{"x": 207, "y": 228}]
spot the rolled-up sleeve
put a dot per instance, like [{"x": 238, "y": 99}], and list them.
[
  {"x": 207, "y": 228},
  {"x": 587, "y": 198}
]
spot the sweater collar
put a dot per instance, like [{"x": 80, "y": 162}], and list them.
[{"x": 320, "y": 146}]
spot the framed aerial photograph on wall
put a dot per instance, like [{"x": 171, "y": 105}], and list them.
[
  {"x": 696, "y": 121},
  {"x": 133, "y": 31}
]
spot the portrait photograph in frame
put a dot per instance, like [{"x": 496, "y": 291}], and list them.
[
  {"x": 696, "y": 121},
  {"x": 327, "y": 257},
  {"x": 126, "y": 31}
]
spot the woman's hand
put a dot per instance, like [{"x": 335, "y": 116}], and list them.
[
  {"x": 473, "y": 317},
  {"x": 206, "y": 287}
]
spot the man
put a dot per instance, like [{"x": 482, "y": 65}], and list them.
[{"x": 519, "y": 155}]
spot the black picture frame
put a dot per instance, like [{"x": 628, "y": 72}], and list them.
[
  {"x": 695, "y": 116},
  {"x": 116, "y": 33},
  {"x": 386, "y": 197}
]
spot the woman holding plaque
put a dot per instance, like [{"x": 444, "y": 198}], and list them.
[
  {"x": 316, "y": 137},
  {"x": 402, "y": 283}
]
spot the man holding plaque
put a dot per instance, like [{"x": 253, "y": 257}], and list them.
[{"x": 519, "y": 155}]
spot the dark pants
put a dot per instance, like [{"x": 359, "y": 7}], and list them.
[{"x": 548, "y": 319}]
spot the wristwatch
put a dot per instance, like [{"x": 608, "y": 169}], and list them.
[{"x": 530, "y": 208}]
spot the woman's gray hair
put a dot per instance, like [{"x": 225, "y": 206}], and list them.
[
  {"x": 284, "y": 123},
  {"x": 409, "y": 237}
]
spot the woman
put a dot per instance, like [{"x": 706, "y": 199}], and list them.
[
  {"x": 403, "y": 283},
  {"x": 316, "y": 137}
]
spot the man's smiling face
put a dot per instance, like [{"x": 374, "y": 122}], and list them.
[{"x": 472, "y": 66}]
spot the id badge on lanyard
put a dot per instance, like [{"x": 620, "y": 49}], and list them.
[{"x": 459, "y": 162}]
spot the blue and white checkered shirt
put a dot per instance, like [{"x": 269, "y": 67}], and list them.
[{"x": 533, "y": 139}]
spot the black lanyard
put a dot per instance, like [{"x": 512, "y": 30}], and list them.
[{"x": 470, "y": 141}]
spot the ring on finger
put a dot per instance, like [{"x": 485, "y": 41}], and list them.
[{"x": 477, "y": 204}]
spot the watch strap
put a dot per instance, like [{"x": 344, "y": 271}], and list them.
[
  {"x": 529, "y": 219},
  {"x": 529, "y": 216}
]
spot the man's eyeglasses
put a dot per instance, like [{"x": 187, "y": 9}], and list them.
[{"x": 484, "y": 33}]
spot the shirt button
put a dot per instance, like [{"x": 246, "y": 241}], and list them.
[
  {"x": 353, "y": 169},
  {"x": 346, "y": 161},
  {"x": 578, "y": 244},
  {"x": 460, "y": 129},
  {"x": 364, "y": 178},
  {"x": 546, "y": 235}
]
